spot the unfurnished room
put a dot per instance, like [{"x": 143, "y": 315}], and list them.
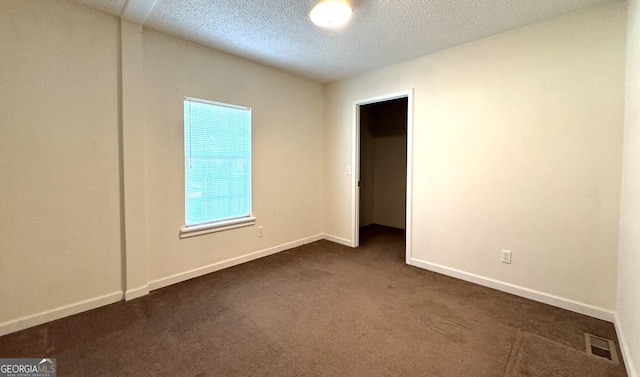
[{"x": 320, "y": 188}]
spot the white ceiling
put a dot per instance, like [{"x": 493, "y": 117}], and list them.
[{"x": 380, "y": 33}]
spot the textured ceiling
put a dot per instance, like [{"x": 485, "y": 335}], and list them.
[{"x": 380, "y": 33}]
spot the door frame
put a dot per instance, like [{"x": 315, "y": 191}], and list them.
[{"x": 355, "y": 163}]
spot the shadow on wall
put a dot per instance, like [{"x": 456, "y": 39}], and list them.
[{"x": 383, "y": 163}]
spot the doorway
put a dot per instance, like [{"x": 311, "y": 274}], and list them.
[{"x": 382, "y": 165}]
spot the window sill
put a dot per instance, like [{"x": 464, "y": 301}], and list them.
[{"x": 198, "y": 230}]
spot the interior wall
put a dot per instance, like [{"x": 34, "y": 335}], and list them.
[
  {"x": 498, "y": 161},
  {"x": 517, "y": 145},
  {"x": 367, "y": 166},
  {"x": 60, "y": 182},
  {"x": 629, "y": 255},
  {"x": 390, "y": 181},
  {"x": 287, "y": 119}
]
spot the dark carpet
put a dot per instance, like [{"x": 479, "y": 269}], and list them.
[{"x": 322, "y": 310}]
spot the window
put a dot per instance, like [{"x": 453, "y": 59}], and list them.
[{"x": 217, "y": 166}]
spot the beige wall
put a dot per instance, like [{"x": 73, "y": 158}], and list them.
[
  {"x": 517, "y": 145},
  {"x": 367, "y": 167},
  {"x": 73, "y": 83},
  {"x": 59, "y": 192},
  {"x": 390, "y": 181},
  {"x": 133, "y": 164},
  {"x": 287, "y": 115},
  {"x": 629, "y": 258}
]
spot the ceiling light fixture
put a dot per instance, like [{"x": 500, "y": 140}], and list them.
[{"x": 330, "y": 13}]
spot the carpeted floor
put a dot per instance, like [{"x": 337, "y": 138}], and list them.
[{"x": 322, "y": 310}]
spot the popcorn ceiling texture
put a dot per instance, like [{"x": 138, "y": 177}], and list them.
[{"x": 381, "y": 33}]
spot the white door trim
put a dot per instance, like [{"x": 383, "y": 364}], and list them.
[{"x": 355, "y": 164}]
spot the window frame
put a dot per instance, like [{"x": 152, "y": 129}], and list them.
[{"x": 227, "y": 223}]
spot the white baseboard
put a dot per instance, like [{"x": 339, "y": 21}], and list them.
[
  {"x": 177, "y": 278},
  {"x": 57, "y": 313},
  {"x": 624, "y": 347},
  {"x": 134, "y": 293},
  {"x": 342, "y": 241},
  {"x": 71, "y": 309},
  {"x": 560, "y": 302}
]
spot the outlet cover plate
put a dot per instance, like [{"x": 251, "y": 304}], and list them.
[{"x": 506, "y": 256}]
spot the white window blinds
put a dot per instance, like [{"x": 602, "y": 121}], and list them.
[{"x": 217, "y": 156}]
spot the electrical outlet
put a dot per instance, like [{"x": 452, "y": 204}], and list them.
[
  {"x": 260, "y": 231},
  {"x": 506, "y": 256}
]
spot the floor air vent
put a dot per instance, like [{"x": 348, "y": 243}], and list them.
[{"x": 601, "y": 347}]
